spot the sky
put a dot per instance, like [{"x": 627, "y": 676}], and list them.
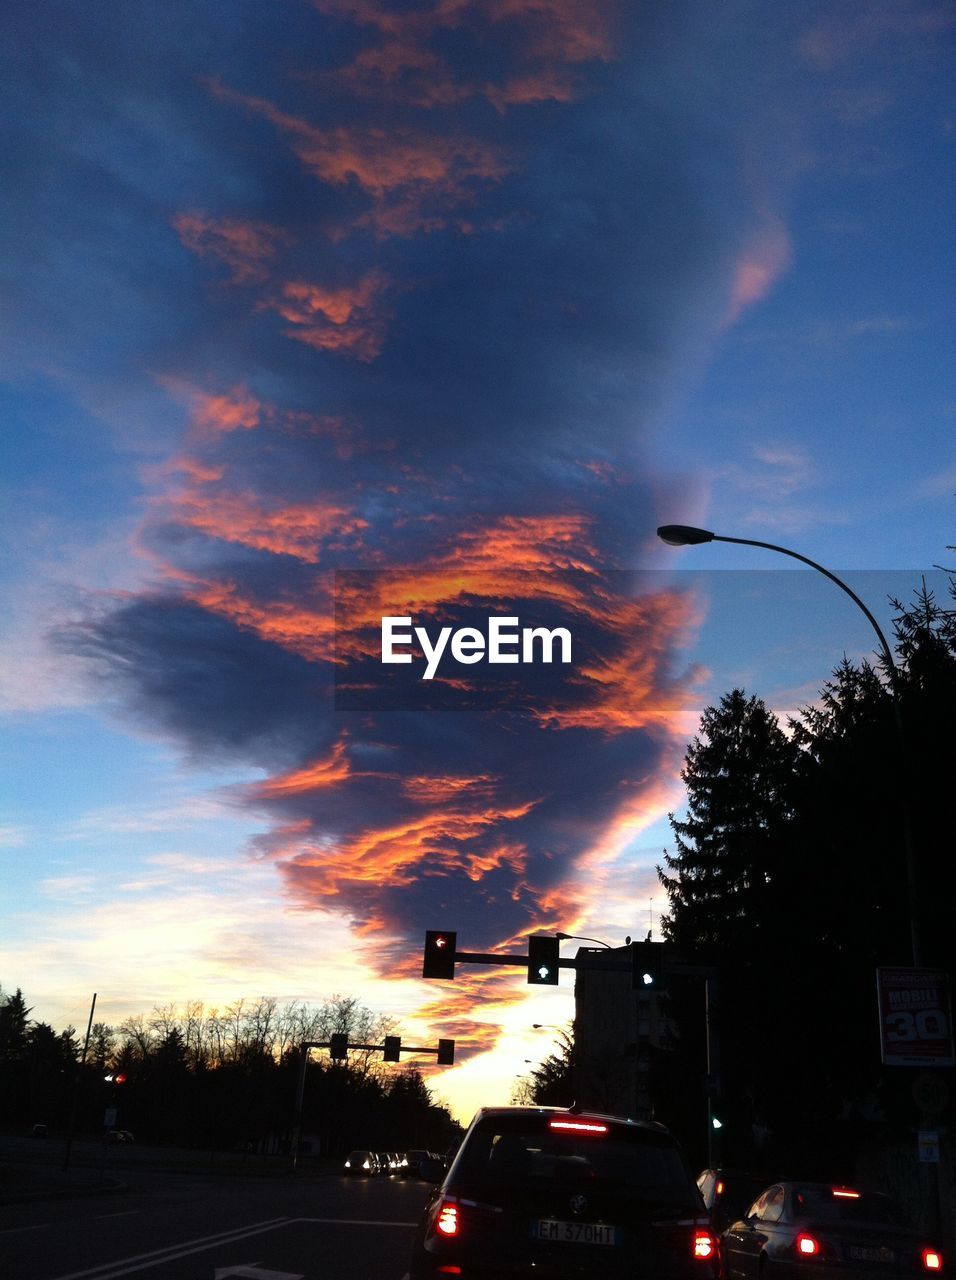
[{"x": 317, "y": 312}]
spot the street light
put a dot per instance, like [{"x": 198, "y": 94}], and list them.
[
  {"x": 577, "y": 937},
  {"x": 685, "y": 535}
]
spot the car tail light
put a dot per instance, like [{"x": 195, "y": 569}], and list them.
[
  {"x": 932, "y": 1260},
  {"x": 577, "y": 1126},
  {"x": 447, "y": 1221},
  {"x": 846, "y": 1195},
  {"x": 705, "y": 1245},
  {"x": 807, "y": 1246},
  {"x": 720, "y": 1188}
]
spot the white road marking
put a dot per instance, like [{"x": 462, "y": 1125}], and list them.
[
  {"x": 156, "y": 1257},
  {"x": 143, "y": 1261}
]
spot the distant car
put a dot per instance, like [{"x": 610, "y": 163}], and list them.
[
  {"x": 119, "y": 1136},
  {"x": 727, "y": 1194},
  {"x": 543, "y": 1191},
  {"x": 414, "y": 1158},
  {"x": 364, "y": 1163},
  {"x": 815, "y": 1229}
]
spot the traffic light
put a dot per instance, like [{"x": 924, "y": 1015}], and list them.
[
  {"x": 543, "y": 960},
  {"x": 647, "y": 960},
  {"x": 439, "y": 961},
  {"x": 392, "y": 1049},
  {"x": 446, "y": 1053},
  {"x": 338, "y": 1046}
]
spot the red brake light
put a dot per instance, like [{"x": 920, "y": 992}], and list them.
[
  {"x": 705, "y": 1246},
  {"x": 807, "y": 1246},
  {"x": 932, "y": 1260},
  {"x": 578, "y": 1126},
  {"x": 720, "y": 1188},
  {"x": 447, "y": 1221},
  {"x": 846, "y": 1195}
]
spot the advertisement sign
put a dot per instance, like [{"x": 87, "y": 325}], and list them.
[{"x": 915, "y": 1019}]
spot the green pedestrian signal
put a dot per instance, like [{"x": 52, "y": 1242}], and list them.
[
  {"x": 647, "y": 966},
  {"x": 543, "y": 960}
]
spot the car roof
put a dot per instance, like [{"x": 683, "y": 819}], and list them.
[{"x": 652, "y": 1126}]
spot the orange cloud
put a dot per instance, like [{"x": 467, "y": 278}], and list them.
[
  {"x": 552, "y": 84},
  {"x": 212, "y": 413},
  {"x": 195, "y": 471},
  {"x": 623, "y": 691},
  {"x": 549, "y": 36},
  {"x": 412, "y": 177},
  {"x": 245, "y": 247},
  {"x": 428, "y": 844},
  {"x": 763, "y": 261},
  {"x": 308, "y": 632},
  {"x": 328, "y": 772},
  {"x": 237, "y": 411},
  {"x": 346, "y": 319},
  {"x": 301, "y": 530},
  {"x": 559, "y": 31}
]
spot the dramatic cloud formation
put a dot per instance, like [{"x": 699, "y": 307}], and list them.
[{"x": 430, "y": 300}]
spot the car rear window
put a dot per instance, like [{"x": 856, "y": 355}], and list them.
[
  {"x": 521, "y": 1152},
  {"x": 869, "y": 1206}
]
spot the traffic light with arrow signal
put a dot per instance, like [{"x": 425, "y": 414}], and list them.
[{"x": 439, "y": 959}]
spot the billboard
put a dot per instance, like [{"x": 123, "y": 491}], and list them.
[{"x": 915, "y": 1019}]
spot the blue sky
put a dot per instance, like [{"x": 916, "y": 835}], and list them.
[{"x": 480, "y": 291}]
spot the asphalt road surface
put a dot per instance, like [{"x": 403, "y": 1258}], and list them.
[{"x": 175, "y": 1226}]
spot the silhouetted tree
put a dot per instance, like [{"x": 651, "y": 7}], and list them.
[{"x": 738, "y": 773}]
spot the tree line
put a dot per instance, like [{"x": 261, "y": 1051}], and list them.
[
  {"x": 218, "y": 1078},
  {"x": 788, "y": 875}
]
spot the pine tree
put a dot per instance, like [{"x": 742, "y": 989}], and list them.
[
  {"x": 14, "y": 1021},
  {"x": 738, "y": 773}
]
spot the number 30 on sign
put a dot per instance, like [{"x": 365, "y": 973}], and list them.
[{"x": 915, "y": 1019}]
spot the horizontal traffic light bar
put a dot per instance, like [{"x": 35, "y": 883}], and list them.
[
  {"x": 495, "y": 957},
  {"x": 339, "y": 1046},
  {"x": 645, "y": 961}
]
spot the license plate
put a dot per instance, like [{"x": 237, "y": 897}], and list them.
[
  {"x": 551, "y": 1229},
  {"x": 869, "y": 1253}
]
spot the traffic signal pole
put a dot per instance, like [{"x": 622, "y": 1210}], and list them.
[{"x": 339, "y": 1045}]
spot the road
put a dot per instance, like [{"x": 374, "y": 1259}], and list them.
[{"x": 176, "y": 1226}]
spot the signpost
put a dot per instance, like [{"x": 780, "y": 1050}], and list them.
[{"x": 916, "y": 1026}]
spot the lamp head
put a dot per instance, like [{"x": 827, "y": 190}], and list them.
[{"x": 683, "y": 535}]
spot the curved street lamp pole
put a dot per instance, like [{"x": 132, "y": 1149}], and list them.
[
  {"x": 682, "y": 535},
  {"x": 577, "y": 937}
]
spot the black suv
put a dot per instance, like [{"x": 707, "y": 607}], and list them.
[{"x": 540, "y": 1191}]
